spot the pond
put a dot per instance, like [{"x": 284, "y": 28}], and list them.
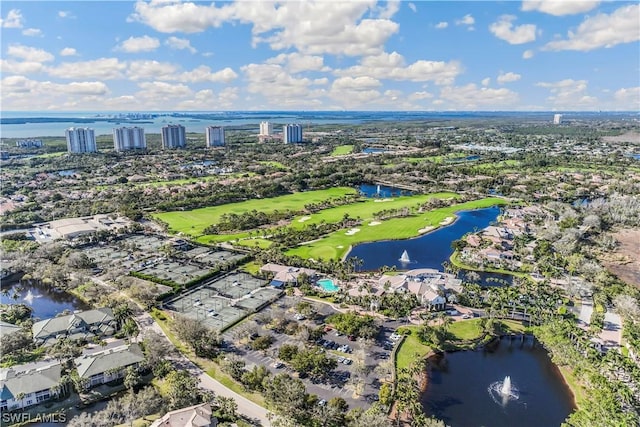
[
  {"x": 427, "y": 251},
  {"x": 381, "y": 191},
  {"x": 44, "y": 301},
  {"x": 472, "y": 389},
  {"x": 370, "y": 150}
]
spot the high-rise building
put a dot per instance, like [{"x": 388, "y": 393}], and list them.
[
  {"x": 129, "y": 138},
  {"x": 81, "y": 140},
  {"x": 557, "y": 119},
  {"x": 214, "y": 136},
  {"x": 29, "y": 143},
  {"x": 266, "y": 129},
  {"x": 173, "y": 136},
  {"x": 291, "y": 134}
]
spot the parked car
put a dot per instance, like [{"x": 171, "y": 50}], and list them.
[
  {"x": 322, "y": 402},
  {"x": 300, "y": 316},
  {"x": 467, "y": 316},
  {"x": 351, "y": 338},
  {"x": 278, "y": 364},
  {"x": 394, "y": 337},
  {"x": 340, "y": 359},
  {"x": 347, "y": 361}
]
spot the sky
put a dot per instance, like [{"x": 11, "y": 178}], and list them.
[{"x": 551, "y": 55}]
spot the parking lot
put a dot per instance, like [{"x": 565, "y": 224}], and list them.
[{"x": 340, "y": 383}]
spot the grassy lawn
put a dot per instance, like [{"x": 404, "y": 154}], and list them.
[
  {"x": 336, "y": 244},
  {"x": 466, "y": 329},
  {"x": 579, "y": 393},
  {"x": 251, "y": 267},
  {"x": 342, "y": 150},
  {"x": 256, "y": 242},
  {"x": 410, "y": 349},
  {"x": 47, "y": 155},
  {"x": 274, "y": 164},
  {"x": 194, "y": 222}
]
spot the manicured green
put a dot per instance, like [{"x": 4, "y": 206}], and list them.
[
  {"x": 342, "y": 150},
  {"x": 411, "y": 349},
  {"x": 465, "y": 330},
  {"x": 336, "y": 244},
  {"x": 195, "y": 221}
]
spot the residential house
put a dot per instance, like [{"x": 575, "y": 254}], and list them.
[
  {"x": 27, "y": 385},
  {"x": 78, "y": 326},
  {"x": 193, "y": 416},
  {"x": 432, "y": 287},
  {"x": 110, "y": 364},
  {"x": 8, "y": 329}
]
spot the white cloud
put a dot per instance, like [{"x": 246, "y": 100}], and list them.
[
  {"x": 508, "y": 77},
  {"x": 204, "y": 74},
  {"x": 527, "y": 54},
  {"x": 569, "y": 94},
  {"x": 392, "y": 66},
  {"x": 602, "y": 30},
  {"x": 420, "y": 95},
  {"x": 486, "y": 81},
  {"x": 180, "y": 44},
  {"x": 466, "y": 20},
  {"x": 65, "y": 14},
  {"x": 19, "y": 85},
  {"x": 471, "y": 97},
  {"x": 505, "y": 30},
  {"x": 412, "y": 6},
  {"x": 14, "y": 67},
  {"x": 139, "y": 44},
  {"x": 102, "y": 68},
  {"x": 13, "y": 20},
  {"x": 68, "y": 51},
  {"x": 312, "y": 27},
  {"x": 149, "y": 69},
  {"x": 296, "y": 62},
  {"x": 387, "y": 12},
  {"x": 356, "y": 92},
  {"x": 628, "y": 98},
  {"x": 559, "y": 7},
  {"x": 442, "y": 25},
  {"x": 30, "y": 54},
  {"x": 162, "y": 90},
  {"x": 32, "y": 32}
]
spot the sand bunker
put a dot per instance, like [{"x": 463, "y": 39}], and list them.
[
  {"x": 382, "y": 200},
  {"x": 447, "y": 220},
  {"x": 372, "y": 223},
  {"x": 352, "y": 231},
  {"x": 304, "y": 218},
  {"x": 339, "y": 246},
  {"x": 425, "y": 230}
]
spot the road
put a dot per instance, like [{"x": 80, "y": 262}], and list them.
[{"x": 245, "y": 407}]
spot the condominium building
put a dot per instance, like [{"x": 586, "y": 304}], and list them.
[
  {"x": 214, "y": 136},
  {"x": 29, "y": 143},
  {"x": 266, "y": 129},
  {"x": 557, "y": 119},
  {"x": 81, "y": 140},
  {"x": 129, "y": 138},
  {"x": 173, "y": 136},
  {"x": 291, "y": 134}
]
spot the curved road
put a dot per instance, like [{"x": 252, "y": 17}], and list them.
[{"x": 246, "y": 407}]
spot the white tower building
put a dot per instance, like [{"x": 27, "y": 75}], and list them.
[
  {"x": 266, "y": 129},
  {"x": 291, "y": 134},
  {"x": 81, "y": 140},
  {"x": 214, "y": 136},
  {"x": 557, "y": 119},
  {"x": 173, "y": 136},
  {"x": 129, "y": 138}
]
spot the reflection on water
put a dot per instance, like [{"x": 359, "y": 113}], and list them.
[
  {"x": 44, "y": 301},
  {"x": 458, "y": 392}
]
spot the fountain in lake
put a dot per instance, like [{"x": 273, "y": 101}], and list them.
[
  {"x": 503, "y": 391},
  {"x": 30, "y": 296},
  {"x": 405, "y": 258}
]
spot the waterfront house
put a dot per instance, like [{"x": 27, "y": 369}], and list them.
[
  {"x": 100, "y": 367},
  {"x": 28, "y": 385},
  {"x": 78, "y": 326},
  {"x": 283, "y": 274}
]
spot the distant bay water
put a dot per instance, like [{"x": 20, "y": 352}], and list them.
[{"x": 44, "y": 123}]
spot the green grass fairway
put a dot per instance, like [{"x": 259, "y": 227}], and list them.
[
  {"x": 194, "y": 222},
  {"x": 342, "y": 150},
  {"x": 336, "y": 244}
]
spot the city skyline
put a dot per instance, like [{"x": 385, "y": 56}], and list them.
[{"x": 392, "y": 56}]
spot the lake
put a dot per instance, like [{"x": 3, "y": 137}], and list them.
[
  {"x": 461, "y": 393},
  {"x": 427, "y": 251},
  {"x": 44, "y": 301},
  {"x": 381, "y": 191}
]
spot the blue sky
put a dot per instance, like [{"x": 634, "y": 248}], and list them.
[{"x": 320, "y": 55}]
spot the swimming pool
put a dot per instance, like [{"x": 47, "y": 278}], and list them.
[{"x": 327, "y": 285}]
